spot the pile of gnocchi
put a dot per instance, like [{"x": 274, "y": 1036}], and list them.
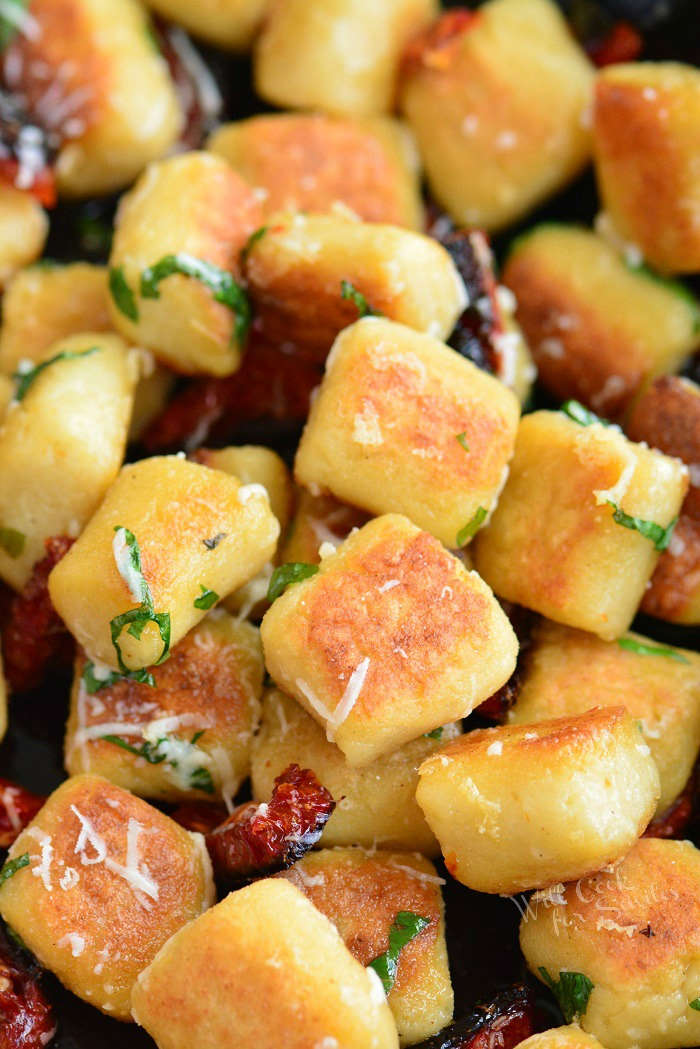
[{"x": 326, "y": 542}]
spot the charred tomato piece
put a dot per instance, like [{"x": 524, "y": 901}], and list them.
[
  {"x": 504, "y": 1022},
  {"x": 35, "y": 639},
  {"x": 199, "y": 816},
  {"x": 26, "y": 1015},
  {"x": 17, "y": 808},
  {"x": 257, "y": 840}
]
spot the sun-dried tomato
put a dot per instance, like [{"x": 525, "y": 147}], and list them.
[
  {"x": 622, "y": 44},
  {"x": 17, "y": 807},
  {"x": 199, "y": 816},
  {"x": 26, "y": 1015},
  {"x": 271, "y": 390},
  {"x": 504, "y": 1022},
  {"x": 257, "y": 840},
  {"x": 35, "y": 638}
]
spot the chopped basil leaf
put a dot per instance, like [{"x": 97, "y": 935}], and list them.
[
  {"x": 631, "y": 645},
  {"x": 572, "y": 990},
  {"x": 251, "y": 242},
  {"x": 12, "y": 866},
  {"x": 211, "y": 544},
  {"x": 656, "y": 533},
  {"x": 349, "y": 291},
  {"x": 206, "y": 599},
  {"x": 404, "y": 928},
  {"x": 137, "y": 618},
  {"x": 221, "y": 283},
  {"x": 94, "y": 684},
  {"x": 25, "y": 379},
  {"x": 12, "y": 20},
  {"x": 157, "y": 753},
  {"x": 462, "y": 438},
  {"x": 122, "y": 294},
  {"x": 581, "y": 415},
  {"x": 285, "y": 575},
  {"x": 695, "y": 1004},
  {"x": 435, "y": 734},
  {"x": 12, "y": 541},
  {"x": 472, "y": 527}
]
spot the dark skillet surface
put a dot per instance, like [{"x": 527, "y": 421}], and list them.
[{"x": 481, "y": 930}]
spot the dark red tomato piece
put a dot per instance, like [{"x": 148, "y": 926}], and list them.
[
  {"x": 259, "y": 839},
  {"x": 35, "y": 638},
  {"x": 622, "y": 44},
  {"x": 26, "y": 1015},
  {"x": 199, "y": 816},
  {"x": 504, "y": 1022},
  {"x": 17, "y": 808}
]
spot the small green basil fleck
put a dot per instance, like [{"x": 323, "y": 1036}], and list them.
[
  {"x": 572, "y": 990},
  {"x": 206, "y": 599},
  {"x": 12, "y": 541},
  {"x": 285, "y": 575},
  {"x": 122, "y": 294},
  {"x": 349, "y": 291},
  {"x": 200, "y": 779},
  {"x": 472, "y": 527},
  {"x": 630, "y": 645},
  {"x": 93, "y": 684},
  {"x": 136, "y": 619},
  {"x": 695, "y": 1004},
  {"x": 12, "y": 866},
  {"x": 221, "y": 283},
  {"x": 25, "y": 379},
  {"x": 462, "y": 438},
  {"x": 154, "y": 754},
  {"x": 435, "y": 734},
  {"x": 11, "y": 20},
  {"x": 404, "y": 928},
  {"x": 581, "y": 415},
  {"x": 253, "y": 239},
  {"x": 656, "y": 533}
]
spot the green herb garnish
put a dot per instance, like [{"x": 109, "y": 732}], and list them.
[
  {"x": 695, "y": 1004},
  {"x": 251, "y": 242},
  {"x": 572, "y": 990},
  {"x": 136, "y": 619},
  {"x": 122, "y": 294},
  {"x": 404, "y": 928},
  {"x": 12, "y": 541},
  {"x": 581, "y": 415},
  {"x": 155, "y": 754},
  {"x": 12, "y": 866},
  {"x": 630, "y": 645},
  {"x": 472, "y": 527},
  {"x": 221, "y": 283},
  {"x": 25, "y": 379},
  {"x": 462, "y": 438},
  {"x": 11, "y": 20},
  {"x": 656, "y": 533},
  {"x": 435, "y": 734},
  {"x": 206, "y": 599},
  {"x": 285, "y": 575},
  {"x": 94, "y": 684},
  {"x": 349, "y": 291}
]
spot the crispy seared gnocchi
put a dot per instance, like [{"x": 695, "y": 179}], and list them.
[
  {"x": 339, "y": 56},
  {"x": 566, "y": 672},
  {"x": 499, "y": 102},
  {"x": 23, "y": 229},
  {"x": 376, "y": 804},
  {"x": 370, "y": 166},
  {"x": 85, "y": 68},
  {"x": 61, "y": 444},
  {"x": 192, "y": 215},
  {"x": 309, "y": 276},
  {"x": 646, "y": 123},
  {"x": 633, "y": 931},
  {"x": 350, "y": 643},
  {"x": 187, "y": 736},
  {"x": 571, "y": 1037},
  {"x": 599, "y": 328},
  {"x": 363, "y": 893},
  {"x": 274, "y": 947},
  {"x": 169, "y": 540},
  {"x": 109, "y": 879},
  {"x": 581, "y": 522},
  {"x": 526, "y": 806},
  {"x": 403, "y": 423}
]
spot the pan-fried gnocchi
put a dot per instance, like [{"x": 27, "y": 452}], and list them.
[
  {"x": 23, "y": 229},
  {"x": 61, "y": 444},
  {"x": 527, "y": 806},
  {"x": 169, "y": 540}
]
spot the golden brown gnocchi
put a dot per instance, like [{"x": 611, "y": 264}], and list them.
[{"x": 23, "y": 229}]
